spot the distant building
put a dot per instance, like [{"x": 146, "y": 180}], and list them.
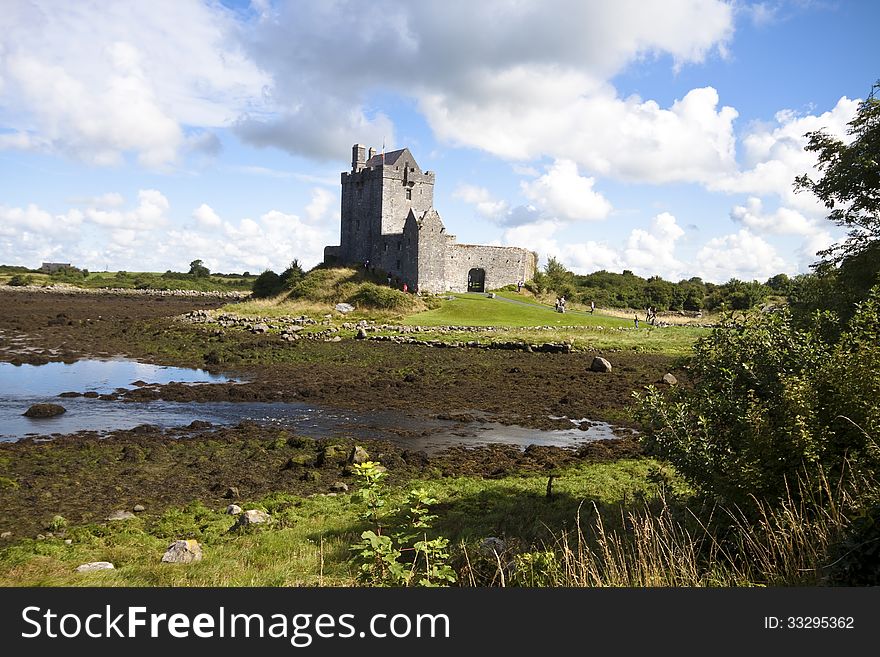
[
  {"x": 388, "y": 218},
  {"x": 52, "y": 267}
]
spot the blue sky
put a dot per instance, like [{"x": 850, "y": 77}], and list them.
[{"x": 658, "y": 137}]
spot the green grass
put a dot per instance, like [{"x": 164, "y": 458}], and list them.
[
  {"x": 480, "y": 310},
  {"x": 141, "y": 280},
  {"x": 308, "y": 541}
]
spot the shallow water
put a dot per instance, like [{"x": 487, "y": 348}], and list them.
[{"x": 21, "y": 386}]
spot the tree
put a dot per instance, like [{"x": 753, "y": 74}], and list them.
[
  {"x": 198, "y": 270},
  {"x": 266, "y": 284},
  {"x": 292, "y": 275},
  {"x": 850, "y": 182}
]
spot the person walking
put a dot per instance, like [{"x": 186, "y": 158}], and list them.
[{"x": 592, "y": 307}]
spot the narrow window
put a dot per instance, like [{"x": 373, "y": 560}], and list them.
[
  {"x": 397, "y": 266},
  {"x": 408, "y": 194}
]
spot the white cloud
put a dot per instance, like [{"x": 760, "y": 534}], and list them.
[
  {"x": 566, "y": 195},
  {"x": 482, "y": 200},
  {"x": 531, "y": 85},
  {"x": 98, "y": 82},
  {"x": 146, "y": 238},
  {"x": 205, "y": 216},
  {"x": 784, "y": 221},
  {"x": 319, "y": 207},
  {"x": 773, "y": 155},
  {"x": 648, "y": 252},
  {"x": 150, "y": 213},
  {"x": 741, "y": 255}
]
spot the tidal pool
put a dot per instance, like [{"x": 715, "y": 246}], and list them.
[{"x": 23, "y": 385}]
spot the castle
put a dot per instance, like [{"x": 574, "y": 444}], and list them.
[{"x": 388, "y": 219}]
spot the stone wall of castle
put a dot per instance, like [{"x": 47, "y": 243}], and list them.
[
  {"x": 503, "y": 265},
  {"x": 378, "y": 196}
]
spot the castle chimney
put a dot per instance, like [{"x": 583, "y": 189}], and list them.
[
  {"x": 357, "y": 157},
  {"x": 371, "y": 153}
]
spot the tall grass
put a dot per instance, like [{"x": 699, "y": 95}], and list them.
[{"x": 660, "y": 544}]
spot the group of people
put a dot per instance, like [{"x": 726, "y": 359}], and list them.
[{"x": 560, "y": 304}]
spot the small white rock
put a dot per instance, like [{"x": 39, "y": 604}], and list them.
[{"x": 94, "y": 565}]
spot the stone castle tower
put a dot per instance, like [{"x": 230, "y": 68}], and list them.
[{"x": 388, "y": 218}]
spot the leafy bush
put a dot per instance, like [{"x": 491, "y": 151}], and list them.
[
  {"x": 266, "y": 284},
  {"x": 370, "y": 295},
  {"x": 20, "y": 280},
  {"x": 771, "y": 403}
]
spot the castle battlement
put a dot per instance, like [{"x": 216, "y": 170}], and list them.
[{"x": 388, "y": 218}]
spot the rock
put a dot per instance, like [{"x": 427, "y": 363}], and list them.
[
  {"x": 361, "y": 334},
  {"x": 186, "y": 551},
  {"x": 91, "y": 394},
  {"x": 68, "y": 541},
  {"x": 253, "y": 517},
  {"x": 6, "y": 535},
  {"x": 139, "y": 508},
  {"x": 339, "y": 487},
  {"x": 94, "y": 565},
  {"x": 199, "y": 424},
  {"x": 310, "y": 475},
  {"x": 233, "y": 510},
  {"x": 344, "y": 308},
  {"x": 44, "y": 410},
  {"x": 358, "y": 455},
  {"x": 599, "y": 364},
  {"x": 120, "y": 515},
  {"x": 668, "y": 379},
  {"x": 492, "y": 546},
  {"x": 231, "y": 493},
  {"x": 260, "y": 328}
]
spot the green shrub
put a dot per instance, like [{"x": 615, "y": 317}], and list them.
[
  {"x": 370, "y": 295},
  {"x": 20, "y": 280},
  {"x": 266, "y": 284},
  {"x": 772, "y": 403}
]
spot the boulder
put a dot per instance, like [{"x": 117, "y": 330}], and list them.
[
  {"x": 339, "y": 487},
  {"x": 668, "y": 379},
  {"x": 233, "y": 510},
  {"x": 186, "y": 551},
  {"x": 361, "y": 334},
  {"x": 139, "y": 508},
  {"x": 253, "y": 517},
  {"x": 93, "y": 566},
  {"x": 344, "y": 308},
  {"x": 599, "y": 364},
  {"x": 44, "y": 410},
  {"x": 358, "y": 455},
  {"x": 120, "y": 515},
  {"x": 231, "y": 493}
]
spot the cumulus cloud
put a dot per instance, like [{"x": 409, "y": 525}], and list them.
[
  {"x": 741, "y": 255},
  {"x": 98, "y": 83},
  {"x": 482, "y": 200},
  {"x": 648, "y": 252},
  {"x": 150, "y": 213},
  {"x": 773, "y": 155},
  {"x": 566, "y": 195},
  {"x": 205, "y": 216},
  {"x": 143, "y": 237},
  {"x": 533, "y": 84}
]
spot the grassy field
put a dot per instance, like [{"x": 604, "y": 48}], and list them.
[
  {"x": 132, "y": 280},
  {"x": 307, "y": 542}
]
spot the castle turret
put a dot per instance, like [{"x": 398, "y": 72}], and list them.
[{"x": 358, "y": 157}]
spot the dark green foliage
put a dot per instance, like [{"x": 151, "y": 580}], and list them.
[
  {"x": 370, "y": 295},
  {"x": 850, "y": 182},
  {"x": 267, "y": 284},
  {"x": 292, "y": 275},
  {"x": 855, "y": 561},
  {"x": 19, "y": 280},
  {"x": 198, "y": 270},
  {"x": 772, "y": 403}
]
